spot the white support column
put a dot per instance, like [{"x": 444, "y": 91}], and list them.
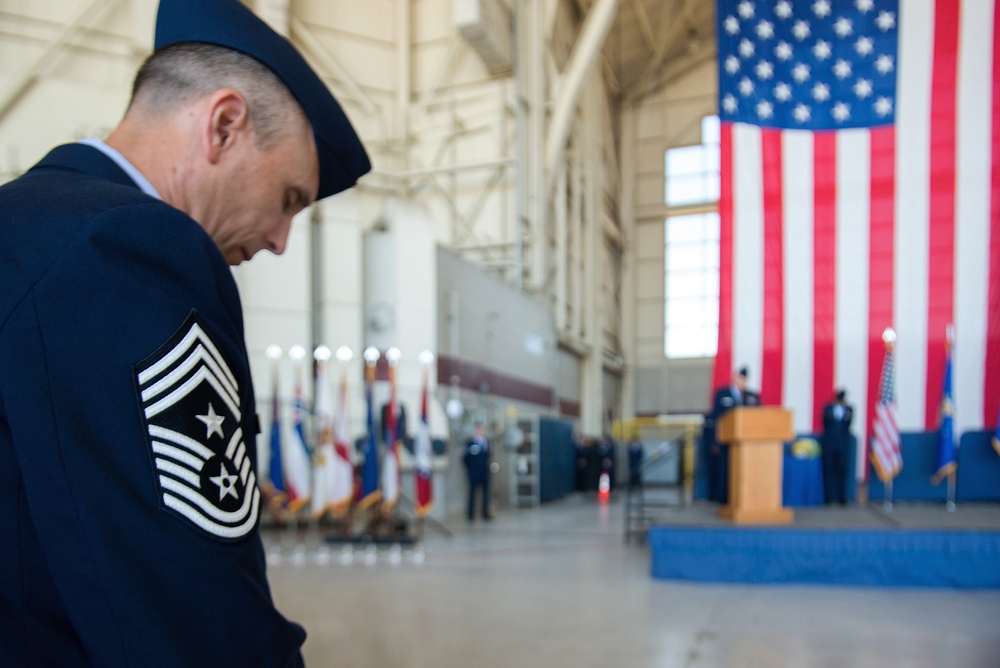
[
  {"x": 529, "y": 236},
  {"x": 576, "y": 266},
  {"x": 520, "y": 139},
  {"x": 626, "y": 214},
  {"x": 561, "y": 257},
  {"x": 592, "y": 367},
  {"x": 538, "y": 201}
]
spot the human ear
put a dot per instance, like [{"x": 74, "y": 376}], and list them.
[{"x": 227, "y": 117}]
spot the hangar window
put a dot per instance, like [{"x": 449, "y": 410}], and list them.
[{"x": 691, "y": 255}]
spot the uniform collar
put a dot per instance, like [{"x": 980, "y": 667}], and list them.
[
  {"x": 87, "y": 159},
  {"x": 131, "y": 170}
]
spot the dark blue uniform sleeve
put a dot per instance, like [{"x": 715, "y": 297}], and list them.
[{"x": 127, "y": 440}]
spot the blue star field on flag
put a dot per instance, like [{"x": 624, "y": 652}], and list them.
[{"x": 810, "y": 64}]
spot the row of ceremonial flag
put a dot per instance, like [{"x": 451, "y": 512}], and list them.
[{"x": 320, "y": 473}]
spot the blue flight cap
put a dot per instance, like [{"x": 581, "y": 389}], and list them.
[{"x": 228, "y": 23}]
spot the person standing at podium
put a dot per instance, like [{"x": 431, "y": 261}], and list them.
[
  {"x": 726, "y": 398},
  {"x": 836, "y": 440}
]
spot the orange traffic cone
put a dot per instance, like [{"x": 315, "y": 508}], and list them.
[{"x": 604, "y": 488}]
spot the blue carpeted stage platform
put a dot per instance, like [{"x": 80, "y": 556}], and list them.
[{"x": 914, "y": 545}]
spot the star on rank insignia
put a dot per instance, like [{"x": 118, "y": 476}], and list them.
[{"x": 191, "y": 410}]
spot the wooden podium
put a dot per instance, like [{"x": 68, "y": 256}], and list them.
[{"x": 756, "y": 437}]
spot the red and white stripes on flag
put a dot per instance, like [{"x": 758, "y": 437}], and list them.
[
  {"x": 343, "y": 485},
  {"x": 296, "y": 458},
  {"x": 829, "y": 237},
  {"x": 334, "y": 471},
  {"x": 886, "y": 454},
  {"x": 391, "y": 471},
  {"x": 423, "y": 481}
]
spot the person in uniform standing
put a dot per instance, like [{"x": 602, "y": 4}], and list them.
[
  {"x": 635, "y": 457},
  {"x": 836, "y": 443},
  {"x": 606, "y": 458},
  {"x": 476, "y": 455},
  {"x": 129, "y": 505},
  {"x": 726, "y": 398}
]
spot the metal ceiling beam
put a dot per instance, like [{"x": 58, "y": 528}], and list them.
[
  {"x": 643, "y": 20},
  {"x": 676, "y": 70},
  {"x": 313, "y": 46},
  {"x": 87, "y": 15},
  {"x": 444, "y": 68},
  {"x": 667, "y": 36},
  {"x": 585, "y": 52}
]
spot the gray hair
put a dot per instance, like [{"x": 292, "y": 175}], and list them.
[{"x": 180, "y": 73}]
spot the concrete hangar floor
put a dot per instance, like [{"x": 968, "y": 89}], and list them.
[{"x": 557, "y": 586}]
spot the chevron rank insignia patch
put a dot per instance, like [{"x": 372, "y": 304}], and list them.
[{"x": 191, "y": 410}]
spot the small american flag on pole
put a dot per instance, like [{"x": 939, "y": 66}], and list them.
[
  {"x": 422, "y": 450},
  {"x": 390, "y": 463},
  {"x": 886, "y": 454}
]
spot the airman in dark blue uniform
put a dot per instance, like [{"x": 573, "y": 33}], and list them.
[
  {"x": 836, "y": 442},
  {"x": 635, "y": 457},
  {"x": 128, "y": 495},
  {"x": 726, "y": 398},
  {"x": 476, "y": 455}
]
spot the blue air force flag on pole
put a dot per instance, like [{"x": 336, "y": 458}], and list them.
[
  {"x": 191, "y": 409},
  {"x": 945, "y": 462}
]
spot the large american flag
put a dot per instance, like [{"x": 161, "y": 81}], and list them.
[{"x": 860, "y": 189}]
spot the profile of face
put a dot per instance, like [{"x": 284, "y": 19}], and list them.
[
  {"x": 248, "y": 194},
  {"x": 740, "y": 382},
  {"x": 267, "y": 189}
]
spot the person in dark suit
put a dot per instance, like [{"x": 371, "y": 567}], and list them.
[
  {"x": 606, "y": 458},
  {"x": 836, "y": 442},
  {"x": 734, "y": 394},
  {"x": 476, "y": 455},
  {"x": 726, "y": 398},
  {"x": 635, "y": 457},
  {"x": 129, "y": 505}
]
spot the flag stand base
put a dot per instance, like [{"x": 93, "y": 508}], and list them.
[
  {"x": 862, "y": 494},
  {"x": 950, "y": 505}
]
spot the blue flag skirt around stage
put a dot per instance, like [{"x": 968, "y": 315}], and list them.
[
  {"x": 894, "y": 556},
  {"x": 858, "y": 557}
]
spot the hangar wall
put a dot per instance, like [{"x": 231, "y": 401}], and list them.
[{"x": 668, "y": 119}]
